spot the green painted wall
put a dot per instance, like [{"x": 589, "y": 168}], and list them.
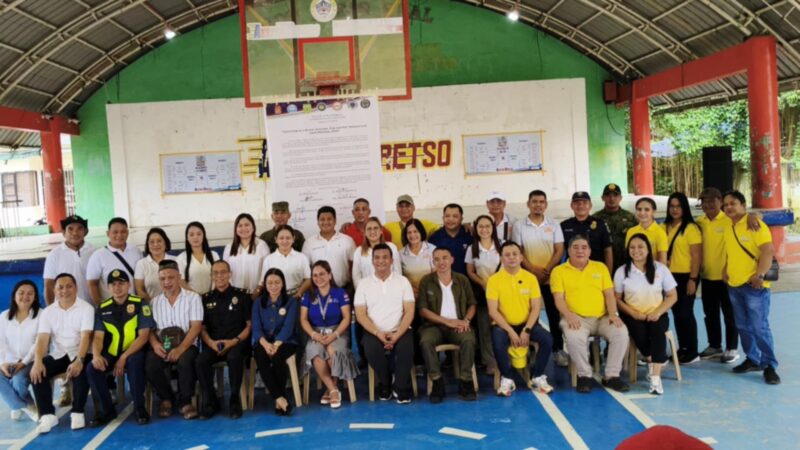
[{"x": 463, "y": 44}]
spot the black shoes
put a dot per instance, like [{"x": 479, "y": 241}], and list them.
[
  {"x": 466, "y": 391},
  {"x": 616, "y": 384},
  {"x": 102, "y": 419},
  {"x": 235, "y": 408},
  {"x": 584, "y": 385},
  {"x": 770, "y": 376},
  {"x": 384, "y": 392},
  {"x": 747, "y": 366},
  {"x": 142, "y": 416},
  {"x": 437, "y": 391}
]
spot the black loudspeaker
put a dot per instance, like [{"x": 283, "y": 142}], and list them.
[{"x": 718, "y": 168}]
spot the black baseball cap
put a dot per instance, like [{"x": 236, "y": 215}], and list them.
[
  {"x": 612, "y": 188},
  {"x": 581, "y": 195},
  {"x": 118, "y": 275}
]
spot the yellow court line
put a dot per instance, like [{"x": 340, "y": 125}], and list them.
[{"x": 362, "y": 55}]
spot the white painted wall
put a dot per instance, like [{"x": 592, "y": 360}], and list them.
[{"x": 138, "y": 133}]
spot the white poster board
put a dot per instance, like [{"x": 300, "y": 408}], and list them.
[
  {"x": 192, "y": 173},
  {"x": 325, "y": 152},
  {"x": 502, "y": 153}
]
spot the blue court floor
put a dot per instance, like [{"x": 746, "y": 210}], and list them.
[{"x": 728, "y": 411}]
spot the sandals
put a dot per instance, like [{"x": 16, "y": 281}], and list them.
[
  {"x": 335, "y": 399},
  {"x": 165, "y": 409},
  {"x": 326, "y": 399}
]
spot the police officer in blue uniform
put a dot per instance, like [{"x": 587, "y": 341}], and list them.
[
  {"x": 593, "y": 227},
  {"x": 122, "y": 327}
]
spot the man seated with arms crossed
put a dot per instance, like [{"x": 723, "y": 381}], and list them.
[
  {"x": 227, "y": 322},
  {"x": 584, "y": 295},
  {"x": 122, "y": 327},
  {"x": 514, "y": 302},
  {"x": 385, "y": 308},
  {"x": 446, "y": 305},
  {"x": 179, "y": 318},
  {"x": 62, "y": 345}
]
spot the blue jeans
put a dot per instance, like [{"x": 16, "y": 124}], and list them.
[
  {"x": 751, "y": 312},
  {"x": 14, "y": 390},
  {"x": 501, "y": 342}
]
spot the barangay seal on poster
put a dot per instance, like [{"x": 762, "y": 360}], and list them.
[{"x": 323, "y": 10}]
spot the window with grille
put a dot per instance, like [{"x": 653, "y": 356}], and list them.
[{"x": 20, "y": 189}]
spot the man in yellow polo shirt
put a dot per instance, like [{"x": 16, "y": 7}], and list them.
[
  {"x": 514, "y": 302},
  {"x": 584, "y": 296},
  {"x": 405, "y": 211},
  {"x": 748, "y": 258}
]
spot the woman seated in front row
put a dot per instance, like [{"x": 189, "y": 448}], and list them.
[
  {"x": 645, "y": 291},
  {"x": 325, "y": 317},
  {"x": 274, "y": 317},
  {"x": 18, "y": 328}
]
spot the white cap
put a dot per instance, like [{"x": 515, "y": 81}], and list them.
[{"x": 496, "y": 195}]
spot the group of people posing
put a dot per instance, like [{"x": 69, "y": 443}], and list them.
[{"x": 412, "y": 286}]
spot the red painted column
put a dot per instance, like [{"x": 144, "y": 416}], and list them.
[
  {"x": 765, "y": 135},
  {"x": 640, "y": 138},
  {"x": 55, "y": 201}
]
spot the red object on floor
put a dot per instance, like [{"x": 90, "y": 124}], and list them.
[{"x": 663, "y": 437}]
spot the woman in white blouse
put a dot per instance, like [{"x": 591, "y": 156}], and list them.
[
  {"x": 18, "y": 327},
  {"x": 196, "y": 260},
  {"x": 245, "y": 254},
  {"x": 362, "y": 257},
  {"x": 483, "y": 259},
  {"x": 295, "y": 266},
  {"x": 416, "y": 257},
  {"x": 645, "y": 291},
  {"x": 145, "y": 276}
]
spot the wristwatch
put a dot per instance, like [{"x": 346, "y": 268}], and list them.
[
  {"x": 761, "y": 276},
  {"x": 526, "y": 330}
]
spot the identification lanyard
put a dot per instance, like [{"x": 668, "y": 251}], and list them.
[{"x": 323, "y": 307}]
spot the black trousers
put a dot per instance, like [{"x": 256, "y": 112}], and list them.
[
  {"x": 553, "y": 317},
  {"x": 235, "y": 359},
  {"x": 159, "y": 374},
  {"x": 715, "y": 297},
  {"x": 134, "y": 368},
  {"x": 649, "y": 337},
  {"x": 683, "y": 314},
  {"x": 273, "y": 369},
  {"x": 43, "y": 392},
  {"x": 403, "y": 354}
]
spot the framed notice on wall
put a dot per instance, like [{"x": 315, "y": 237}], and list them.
[
  {"x": 198, "y": 173},
  {"x": 502, "y": 152}
]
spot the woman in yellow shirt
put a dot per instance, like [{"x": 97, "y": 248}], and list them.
[
  {"x": 684, "y": 255},
  {"x": 645, "y": 213}
]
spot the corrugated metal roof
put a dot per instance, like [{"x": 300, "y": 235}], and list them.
[{"x": 55, "y": 54}]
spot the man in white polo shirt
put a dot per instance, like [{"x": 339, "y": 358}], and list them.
[
  {"x": 179, "y": 319},
  {"x": 62, "y": 344},
  {"x": 496, "y": 205},
  {"x": 542, "y": 244},
  {"x": 331, "y": 246},
  {"x": 117, "y": 255},
  {"x": 71, "y": 257},
  {"x": 385, "y": 309}
]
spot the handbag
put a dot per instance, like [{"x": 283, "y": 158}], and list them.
[
  {"x": 774, "y": 269},
  {"x": 171, "y": 337}
]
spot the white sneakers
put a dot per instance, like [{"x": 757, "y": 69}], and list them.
[
  {"x": 78, "y": 421},
  {"x": 507, "y": 386},
  {"x": 16, "y": 414},
  {"x": 32, "y": 412},
  {"x": 655, "y": 385},
  {"x": 729, "y": 356},
  {"x": 540, "y": 384},
  {"x": 46, "y": 423}
]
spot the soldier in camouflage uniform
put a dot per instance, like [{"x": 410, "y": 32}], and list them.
[{"x": 618, "y": 221}]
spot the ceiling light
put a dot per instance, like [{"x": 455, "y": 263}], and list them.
[
  {"x": 513, "y": 15},
  {"x": 169, "y": 33}
]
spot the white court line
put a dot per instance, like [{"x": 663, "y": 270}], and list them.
[
  {"x": 7, "y": 441},
  {"x": 626, "y": 403},
  {"x": 110, "y": 428},
  {"x": 529, "y": 448},
  {"x": 640, "y": 396},
  {"x": 371, "y": 426},
  {"x": 28, "y": 438},
  {"x": 709, "y": 440},
  {"x": 261, "y": 434},
  {"x": 198, "y": 447},
  {"x": 462, "y": 433},
  {"x": 561, "y": 422}
]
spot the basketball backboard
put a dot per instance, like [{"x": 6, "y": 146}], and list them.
[{"x": 303, "y": 49}]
